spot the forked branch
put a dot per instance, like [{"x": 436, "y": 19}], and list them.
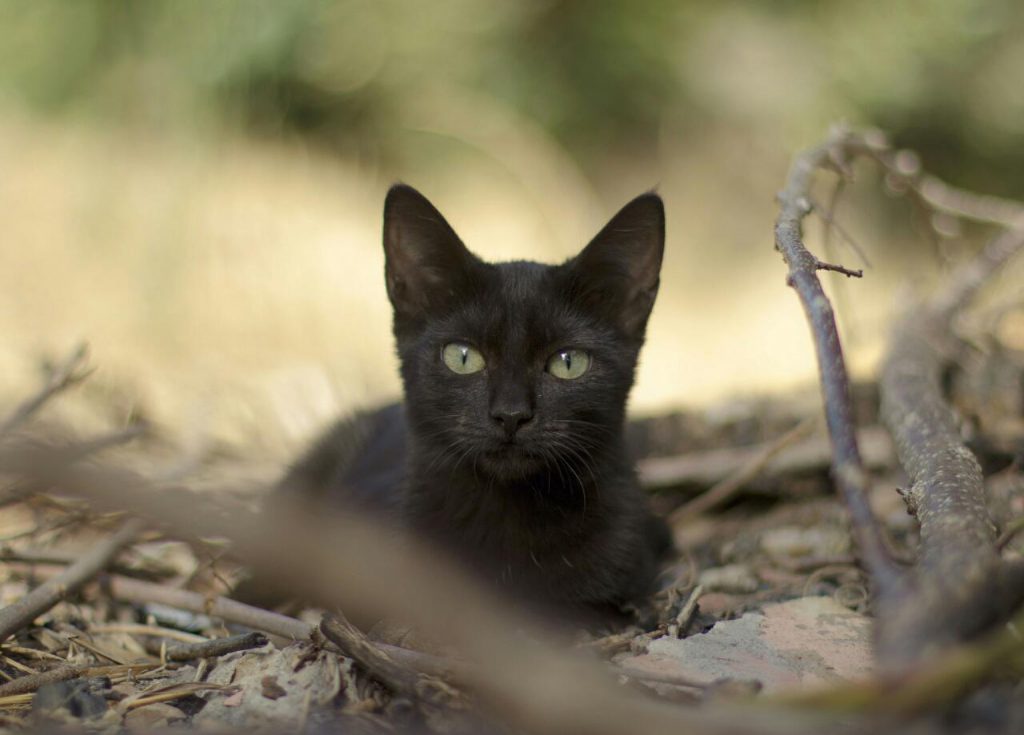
[{"x": 961, "y": 585}]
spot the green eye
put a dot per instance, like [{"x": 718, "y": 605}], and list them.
[
  {"x": 568, "y": 364},
  {"x": 462, "y": 359}
]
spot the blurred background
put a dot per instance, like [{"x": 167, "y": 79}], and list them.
[{"x": 196, "y": 188}]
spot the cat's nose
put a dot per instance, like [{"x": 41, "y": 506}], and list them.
[{"x": 510, "y": 421}]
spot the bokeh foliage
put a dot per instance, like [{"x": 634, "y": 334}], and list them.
[{"x": 604, "y": 79}]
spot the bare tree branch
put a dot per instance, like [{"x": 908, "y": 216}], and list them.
[
  {"x": 847, "y": 467},
  {"x": 905, "y": 172}
]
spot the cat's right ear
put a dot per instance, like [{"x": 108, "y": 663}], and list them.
[
  {"x": 425, "y": 262},
  {"x": 617, "y": 273}
]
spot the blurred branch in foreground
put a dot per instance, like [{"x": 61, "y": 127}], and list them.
[{"x": 522, "y": 672}]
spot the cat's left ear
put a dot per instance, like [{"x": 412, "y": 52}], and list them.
[{"x": 618, "y": 272}]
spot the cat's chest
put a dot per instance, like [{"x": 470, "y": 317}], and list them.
[{"x": 519, "y": 525}]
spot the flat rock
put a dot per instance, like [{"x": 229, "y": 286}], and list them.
[
  {"x": 270, "y": 689},
  {"x": 803, "y": 643}
]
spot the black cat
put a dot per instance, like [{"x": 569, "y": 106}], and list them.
[{"x": 508, "y": 450}]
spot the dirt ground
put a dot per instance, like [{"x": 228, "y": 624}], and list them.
[{"x": 766, "y": 594}]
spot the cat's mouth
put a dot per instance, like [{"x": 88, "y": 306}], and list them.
[{"x": 510, "y": 460}]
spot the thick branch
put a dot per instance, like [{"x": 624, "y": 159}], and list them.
[{"x": 962, "y": 586}]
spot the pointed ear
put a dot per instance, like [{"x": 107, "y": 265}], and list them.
[
  {"x": 426, "y": 263},
  {"x": 617, "y": 273}
]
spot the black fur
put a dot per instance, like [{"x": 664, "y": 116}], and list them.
[{"x": 521, "y": 475}]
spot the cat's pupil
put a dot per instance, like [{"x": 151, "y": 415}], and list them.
[
  {"x": 465, "y": 355},
  {"x": 567, "y": 359}
]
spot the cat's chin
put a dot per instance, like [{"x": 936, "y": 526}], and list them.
[{"x": 509, "y": 462}]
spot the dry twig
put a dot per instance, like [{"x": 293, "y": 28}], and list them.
[
  {"x": 713, "y": 466},
  {"x": 27, "y": 684},
  {"x": 728, "y": 487},
  {"x": 16, "y": 616},
  {"x": 214, "y": 647},
  {"x": 847, "y": 466},
  {"x": 354, "y": 644}
]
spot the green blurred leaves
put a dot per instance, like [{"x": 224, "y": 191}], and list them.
[{"x": 602, "y": 78}]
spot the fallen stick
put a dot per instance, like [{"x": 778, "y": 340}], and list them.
[
  {"x": 26, "y": 559},
  {"x": 214, "y": 647},
  {"x": 728, "y": 487},
  {"x": 712, "y": 466},
  {"x": 65, "y": 672},
  {"x": 281, "y": 626},
  {"x": 127, "y": 589},
  {"x": 31, "y": 682},
  {"x": 353, "y": 643},
  {"x": 19, "y": 614}
]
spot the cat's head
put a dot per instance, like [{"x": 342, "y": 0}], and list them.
[{"x": 513, "y": 367}]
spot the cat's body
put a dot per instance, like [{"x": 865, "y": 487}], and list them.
[{"x": 509, "y": 449}]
